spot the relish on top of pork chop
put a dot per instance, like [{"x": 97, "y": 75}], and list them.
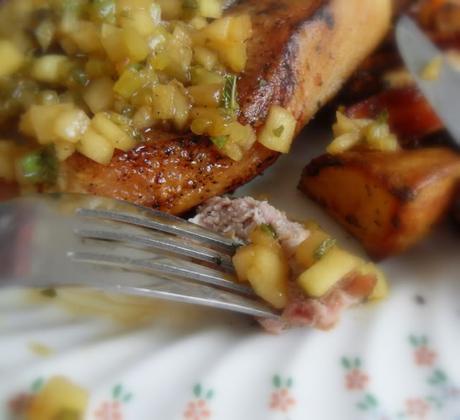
[{"x": 300, "y": 271}]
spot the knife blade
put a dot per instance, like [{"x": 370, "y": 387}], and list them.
[{"x": 443, "y": 93}]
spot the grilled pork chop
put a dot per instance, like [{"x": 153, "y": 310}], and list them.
[{"x": 301, "y": 53}]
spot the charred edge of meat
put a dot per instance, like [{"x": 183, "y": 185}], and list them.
[{"x": 315, "y": 167}]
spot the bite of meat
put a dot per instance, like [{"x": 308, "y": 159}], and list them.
[
  {"x": 238, "y": 217},
  {"x": 301, "y": 53}
]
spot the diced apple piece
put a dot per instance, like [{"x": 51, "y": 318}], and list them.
[
  {"x": 112, "y": 132},
  {"x": 58, "y": 397},
  {"x": 279, "y": 130},
  {"x": 265, "y": 235},
  {"x": 266, "y": 271},
  {"x": 234, "y": 55},
  {"x": 210, "y": 8},
  {"x": 51, "y": 68},
  {"x": 99, "y": 95},
  {"x": 128, "y": 83},
  {"x": 41, "y": 120},
  {"x": 96, "y": 147},
  {"x": 113, "y": 43},
  {"x": 70, "y": 125},
  {"x": 163, "y": 102},
  {"x": 313, "y": 248},
  {"x": 381, "y": 288},
  {"x": 7, "y": 160},
  {"x": 240, "y": 28},
  {"x": 11, "y": 58},
  {"x": 136, "y": 46},
  {"x": 87, "y": 37},
  {"x": 327, "y": 272}
]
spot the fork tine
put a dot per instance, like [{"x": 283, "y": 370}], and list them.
[
  {"x": 161, "y": 242},
  {"x": 166, "y": 267},
  {"x": 163, "y": 222}
]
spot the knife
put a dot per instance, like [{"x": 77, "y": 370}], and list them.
[{"x": 443, "y": 94}]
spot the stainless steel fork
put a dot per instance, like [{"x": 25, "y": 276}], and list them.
[{"x": 61, "y": 240}]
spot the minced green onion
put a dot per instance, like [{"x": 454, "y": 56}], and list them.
[
  {"x": 269, "y": 230},
  {"x": 229, "y": 101},
  {"x": 219, "y": 141},
  {"x": 324, "y": 248},
  {"x": 279, "y": 131},
  {"x": 40, "y": 167}
]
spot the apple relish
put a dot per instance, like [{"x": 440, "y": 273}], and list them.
[{"x": 90, "y": 76}]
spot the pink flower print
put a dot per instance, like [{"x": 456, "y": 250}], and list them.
[
  {"x": 109, "y": 410},
  {"x": 356, "y": 380},
  {"x": 417, "y": 408},
  {"x": 424, "y": 356},
  {"x": 197, "y": 410},
  {"x": 198, "y": 407},
  {"x": 113, "y": 409},
  {"x": 282, "y": 400}
]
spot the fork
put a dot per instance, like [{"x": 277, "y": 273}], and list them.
[{"x": 56, "y": 240}]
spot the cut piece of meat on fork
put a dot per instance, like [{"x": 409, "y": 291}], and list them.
[{"x": 301, "y": 53}]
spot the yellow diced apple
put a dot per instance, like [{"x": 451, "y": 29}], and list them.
[
  {"x": 11, "y": 58},
  {"x": 381, "y": 287},
  {"x": 112, "y": 132},
  {"x": 279, "y": 130},
  {"x": 87, "y": 37},
  {"x": 135, "y": 45},
  {"x": 42, "y": 119},
  {"x": 240, "y": 28},
  {"x": 70, "y": 125},
  {"x": 99, "y": 95},
  {"x": 96, "y": 147},
  {"x": 266, "y": 271},
  {"x": 163, "y": 102},
  {"x": 58, "y": 396},
  {"x": 327, "y": 272},
  {"x": 113, "y": 43},
  {"x": 52, "y": 68},
  {"x": 313, "y": 248},
  {"x": 210, "y": 8},
  {"x": 128, "y": 83}
]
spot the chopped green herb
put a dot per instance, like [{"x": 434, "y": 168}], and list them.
[
  {"x": 189, "y": 4},
  {"x": 51, "y": 293},
  {"x": 105, "y": 10},
  {"x": 219, "y": 141},
  {"x": 40, "y": 167},
  {"x": 324, "y": 248},
  {"x": 279, "y": 131},
  {"x": 269, "y": 230},
  {"x": 229, "y": 101},
  {"x": 80, "y": 76}
]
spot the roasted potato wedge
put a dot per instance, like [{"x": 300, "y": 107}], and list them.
[{"x": 389, "y": 201}]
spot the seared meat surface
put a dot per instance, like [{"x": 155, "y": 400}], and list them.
[{"x": 301, "y": 53}]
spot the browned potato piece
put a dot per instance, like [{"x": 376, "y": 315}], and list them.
[{"x": 389, "y": 201}]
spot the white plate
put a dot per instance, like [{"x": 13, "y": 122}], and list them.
[{"x": 398, "y": 359}]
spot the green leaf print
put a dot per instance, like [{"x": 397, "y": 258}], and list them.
[
  {"x": 37, "y": 385},
  {"x": 116, "y": 392},
  {"x": 197, "y": 390},
  {"x": 209, "y": 394},
  {"x": 346, "y": 363},
  {"x": 277, "y": 381}
]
